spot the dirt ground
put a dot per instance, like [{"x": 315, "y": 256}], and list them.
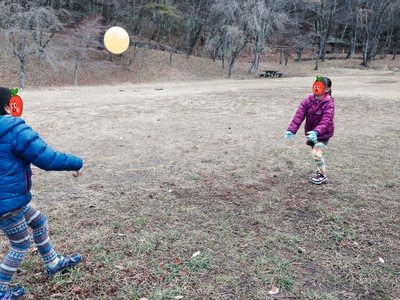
[{"x": 175, "y": 168}]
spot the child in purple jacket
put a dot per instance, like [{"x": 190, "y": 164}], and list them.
[{"x": 318, "y": 109}]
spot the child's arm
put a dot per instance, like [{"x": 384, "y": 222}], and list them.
[
  {"x": 298, "y": 118},
  {"x": 35, "y": 150}
]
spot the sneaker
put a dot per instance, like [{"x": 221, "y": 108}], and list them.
[
  {"x": 319, "y": 178},
  {"x": 15, "y": 293},
  {"x": 64, "y": 263}
]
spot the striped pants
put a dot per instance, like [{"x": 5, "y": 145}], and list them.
[
  {"x": 316, "y": 152},
  {"x": 15, "y": 226}
]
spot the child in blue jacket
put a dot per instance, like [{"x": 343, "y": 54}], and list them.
[{"x": 20, "y": 146}]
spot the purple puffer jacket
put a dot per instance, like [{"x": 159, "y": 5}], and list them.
[{"x": 319, "y": 115}]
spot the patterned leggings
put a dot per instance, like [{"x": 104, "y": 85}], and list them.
[
  {"x": 316, "y": 152},
  {"x": 15, "y": 227}
]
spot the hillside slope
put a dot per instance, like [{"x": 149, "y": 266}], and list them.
[{"x": 57, "y": 68}]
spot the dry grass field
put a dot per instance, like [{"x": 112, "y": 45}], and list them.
[{"x": 190, "y": 191}]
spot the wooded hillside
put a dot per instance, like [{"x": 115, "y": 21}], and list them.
[{"x": 222, "y": 30}]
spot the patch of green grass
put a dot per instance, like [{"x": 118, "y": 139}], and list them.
[
  {"x": 117, "y": 224},
  {"x": 236, "y": 175},
  {"x": 130, "y": 291},
  {"x": 341, "y": 197},
  {"x": 289, "y": 162},
  {"x": 275, "y": 271},
  {"x": 318, "y": 296},
  {"x": 200, "y": 263},
  {"x": 193, "y": 176},
  {"x": 139, "y": 222},
  {"x": 173, "y": 235},
  {"x": 231, "y": 282},
  {"x": 390, "y": 184},
  {"x": 160, "y": 293}
]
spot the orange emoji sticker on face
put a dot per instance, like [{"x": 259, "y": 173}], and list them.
[
  {"x": 15, "y": 105},
  {"x": 318, "y": 86}
]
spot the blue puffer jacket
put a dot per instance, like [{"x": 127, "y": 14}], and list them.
[{"x": 20, "y": 146}]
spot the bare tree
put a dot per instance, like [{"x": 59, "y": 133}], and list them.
[
  {"x": 324, "y": 11},
  {"x": 264, "y": 17},
  {"x": 232, "y": 33},
  {"x": 298, "y": 31},
  {"x": 45, "y": 22},
  {"x": 372, "y": 18},
  {"x": 140, "y": 45},
  {"x": 168, "y": 29},
  {"x": 17, "y": 21},
  {"x": 85, "y": 32},
  {"x": 29, "y": 29},
  {"x": 198, "y": 13}
]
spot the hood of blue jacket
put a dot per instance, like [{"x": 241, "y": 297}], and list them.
[{"x": 8, "y": 122}]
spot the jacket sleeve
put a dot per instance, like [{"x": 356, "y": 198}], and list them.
[
  {"x": 31, "y": 147},
  {"x": 326, "y": 119},
  {"x": 298, "y": 117}
]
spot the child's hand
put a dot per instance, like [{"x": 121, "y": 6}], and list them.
[
  {"x": 289, "y": 135},
  {"x": 312, "y": 136},
  {"x": 77, "y": 173},
  {"x": 33, "y": 169}
]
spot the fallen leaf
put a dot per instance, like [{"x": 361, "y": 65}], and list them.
[
  {"x": 184, "y": 273},
  {"x": 274, "y": 290},
  {"x": 178, "y": 297},
  {"x": 196, "y": 254},
  {"x": 177, "y": 261},
  {"x": 244, "y": 245},
  {"x": 143, "y": 299},
  {"x": 77, "y": 289},
  {"x": 56, "y": 295},
  {"x": 381, "y": 260}
]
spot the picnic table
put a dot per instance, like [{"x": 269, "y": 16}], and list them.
[{"x": 271, "y": 73}]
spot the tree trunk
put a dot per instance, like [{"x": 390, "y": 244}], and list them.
[
  {"x": 231, "y": 66},
  {"x": 299, "y": 51},
  {"x": 76, "y": 72},
  {"x": 22, "y": 71},
  {"x": 255, "y": 62}
]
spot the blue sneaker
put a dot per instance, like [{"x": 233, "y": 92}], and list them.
[
  {"x": 15, "y": 293},
  {"x": 64, "y": 263}
]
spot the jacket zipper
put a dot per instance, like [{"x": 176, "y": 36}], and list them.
[{"x": 26, "y": 181}]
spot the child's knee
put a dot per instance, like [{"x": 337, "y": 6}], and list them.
[
  {"x": 22, "y": 246},
  {"x": 39, "y": 222},
  {"x": 316, "y": 153}
]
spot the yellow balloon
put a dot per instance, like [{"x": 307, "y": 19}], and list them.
[{"x": 116, "y": 40}]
